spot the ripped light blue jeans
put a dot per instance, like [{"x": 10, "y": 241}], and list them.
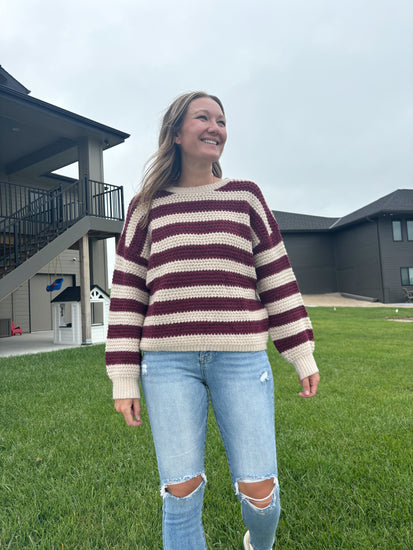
[{"x": 177, "y": 387}]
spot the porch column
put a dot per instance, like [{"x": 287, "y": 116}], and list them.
[
  {"x": 85, "y": 290},
  {"x": 91, "y": 166}
]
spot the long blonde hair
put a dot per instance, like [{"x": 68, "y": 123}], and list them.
[{"x": 164, "y": 167}]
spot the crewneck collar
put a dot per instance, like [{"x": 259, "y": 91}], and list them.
[{"x": 198, "y": 189}]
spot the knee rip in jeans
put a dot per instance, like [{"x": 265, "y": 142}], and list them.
[
  {"x": 261, "y": 502},
  {"x": 183, "y": 488}
]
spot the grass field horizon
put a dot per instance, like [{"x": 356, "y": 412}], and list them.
[{"x": 74, "y": 476}]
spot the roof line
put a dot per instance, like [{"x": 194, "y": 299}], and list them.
[{"x": 61, "y": 112}]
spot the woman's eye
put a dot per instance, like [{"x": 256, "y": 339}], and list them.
[
  {"x": 221, "y": 122},
  {"x": 202, "y": 117}
]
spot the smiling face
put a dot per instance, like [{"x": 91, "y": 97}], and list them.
[{"x": 203, "y": 134}]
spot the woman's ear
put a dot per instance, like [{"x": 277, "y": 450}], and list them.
[{"x": 177, "y": 138}]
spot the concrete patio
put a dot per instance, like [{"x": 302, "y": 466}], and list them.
[{"x": 36, "y": 342}]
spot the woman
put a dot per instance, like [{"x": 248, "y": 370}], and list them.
[{"x": 201, "y": 278}]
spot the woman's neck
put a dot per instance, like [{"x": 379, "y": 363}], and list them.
[{"x": 196, "y": 178}]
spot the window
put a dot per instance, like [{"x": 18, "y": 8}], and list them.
[
  {"x": 410, "y": 230},
  {"x": 97, "y": 313},
  {"x": 397, "y": 230},
  {"x": 407, "y": 276}
]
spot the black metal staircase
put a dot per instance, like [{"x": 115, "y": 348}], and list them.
[{"x": 46, "y": 214}]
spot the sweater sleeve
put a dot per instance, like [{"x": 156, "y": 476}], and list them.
[
  {"x": 289, "y": 325},
  {"x": 128, "y": 304}
]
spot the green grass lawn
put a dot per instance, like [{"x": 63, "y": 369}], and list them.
[{"x": 74, "y": 476}]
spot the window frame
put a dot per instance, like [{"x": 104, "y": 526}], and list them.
[
  {"x": 393, "y": 231},
  {"x": 406, "y": 274},
  {"x": 409, "y": 232}
]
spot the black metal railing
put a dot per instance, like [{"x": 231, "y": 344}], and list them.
[
  {"x": 14, "y": 197},
  {"x": 45, "y": 214}
]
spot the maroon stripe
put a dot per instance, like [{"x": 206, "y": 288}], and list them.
[
  {"x": 242, "y": 185},
  {"x": 199, "y": 278},
  {"x": 267, "y": 243},
  {"x": 127, "y": 305},
  {"x": 203, "y": 304},
  {"x": 128, "y": 279},
  {"x": 173, "y": 330},
  {"x": 291, "y": 342},
  {"x": 201, "y": 228},
  {"x": 199, "y": 206},
  {"x": 124, "y": 331},
  {"x": 134, "y": 249},
  {"x": 202, "y": 252},
  {"x": 272, "y": 268},
  {"x": 123, "y": 357},
  {"x": 275, "y": 294},
  {"x": 288, "y": 317}
]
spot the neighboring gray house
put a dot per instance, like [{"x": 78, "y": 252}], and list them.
[
  {"x": 368, "y": 253},
  {"x": 51, "y": 226}
]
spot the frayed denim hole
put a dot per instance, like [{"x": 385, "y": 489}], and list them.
[
  {"x": 144, "y": 369},
  {"x": 249, "y": 500},
  {"x": 264, "y": 377},
  {"x": 165, "y": 493}
]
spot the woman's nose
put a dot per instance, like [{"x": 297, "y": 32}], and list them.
[{"x": 213, "y": 126}]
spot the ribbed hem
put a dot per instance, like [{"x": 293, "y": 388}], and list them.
[
  {"x": 305, "y": 366},
  {"x": 255, "y": 343},
  {"x": 126, "y": 388}
]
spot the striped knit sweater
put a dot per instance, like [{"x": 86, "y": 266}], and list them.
[{"x": 209, "y": 273}]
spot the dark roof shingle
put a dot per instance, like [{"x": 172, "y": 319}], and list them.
[
  {"x": 289, "y": 221},
  {"x": 397, "y": 202}
]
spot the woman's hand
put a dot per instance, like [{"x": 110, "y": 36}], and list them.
[
  {"x": 131, "y": 410},
  {"x": 309, "y": 385}
]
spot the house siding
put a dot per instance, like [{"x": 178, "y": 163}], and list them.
[
  {"x": 312, "y": 258},
  {"x": 394, "y": 255},
  {"x": 29, "y": 306},
  {"x": 357, "y": 258},
  {"x": 20, "y": 300}
]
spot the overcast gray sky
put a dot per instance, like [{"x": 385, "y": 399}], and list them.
[{"x": 318, "y": 93}]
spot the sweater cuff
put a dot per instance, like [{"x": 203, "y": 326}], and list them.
[
  {"x": 305, "y": 366},
  {"x": 126, "y": 388}
]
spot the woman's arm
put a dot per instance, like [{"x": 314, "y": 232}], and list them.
[{"x": 129, "y": 299}]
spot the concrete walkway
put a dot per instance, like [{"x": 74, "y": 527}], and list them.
[{"x": 36, "y": 342}]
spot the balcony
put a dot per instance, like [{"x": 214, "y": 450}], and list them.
[{"x": 34, "y": 217}]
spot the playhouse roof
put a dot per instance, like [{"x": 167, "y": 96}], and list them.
[{"x": 72, "y": 294}]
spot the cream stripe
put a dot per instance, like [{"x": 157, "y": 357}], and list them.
[
  {"x": 224, "y": 342},
  {"x": 214, "y": 215},
  {"x": 299, "y": 352},
  {"x": 185, "y": 266},
  {"x": 286, "y": 304},
  {"x": 191, "y": 239},
  {"x": 268, "y": 256},
  {"x": 227, "y": 196},
  {"x": 130, "y": 267},
  {"x": 290, "y": 329},
  {"x": 122, "y": 344},
  {"x": 274, "y": 281},
  {"x": 203, "y": 291},
  {"x": 129, "y": 293},
  {"x": 123, "y": 369},
  {"x": 125, "y": 318},
  {"x": 208, "y": 316}
]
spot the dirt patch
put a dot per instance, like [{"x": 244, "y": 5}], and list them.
[{"x": 405, "y": 320}]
